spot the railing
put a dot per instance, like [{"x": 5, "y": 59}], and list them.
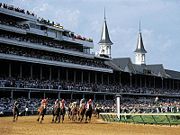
[{"x": 143, "y": 118}]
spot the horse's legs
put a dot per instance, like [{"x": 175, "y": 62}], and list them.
[
  {"x": 62, "y": 118},
  {"x": 59, "y": 118},
  {"x": 53, "y": 118},
  {"x": 16, "y": 117},
  {"x": 38, "y": 116},
  {"x": 82, "y": 117},
  {"x": 86, "y": 118},
  {"x": 90, "y": 115}
]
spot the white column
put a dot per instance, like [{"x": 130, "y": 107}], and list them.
[{"x": 118, "y": 104}]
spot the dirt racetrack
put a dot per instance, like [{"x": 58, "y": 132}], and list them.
[{"x": 29, "y": 126}]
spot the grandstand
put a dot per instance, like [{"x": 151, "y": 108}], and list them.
[{"x": 40, "y": 58}]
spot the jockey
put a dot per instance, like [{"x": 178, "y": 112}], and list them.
[
  {"x": 56, "y": 102},
  {"x": 82, "y": 102},
  {"x": 89, "y": 104},
  {"x": 16, "y": 104},
  {"x": 62, "y": 104},
  {"x": 44, "y": 102}
]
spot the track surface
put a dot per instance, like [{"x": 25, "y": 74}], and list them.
[{"x": 29, "y": 126}]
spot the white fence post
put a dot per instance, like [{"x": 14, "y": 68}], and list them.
[{"x": 118, "y": 105}]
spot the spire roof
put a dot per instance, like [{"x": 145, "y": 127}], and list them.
[
  {"x": 105, "y": 34},
  {"x": 140, "y": 46}
]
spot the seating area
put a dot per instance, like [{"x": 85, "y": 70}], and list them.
[
  {"x": 13, "y": 23},
  {"x": 51, "y": 56}
]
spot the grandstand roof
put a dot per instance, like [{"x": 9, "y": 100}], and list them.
[
  {"x": 173, "y": 74},
  {"x": 125, "y": 64}
]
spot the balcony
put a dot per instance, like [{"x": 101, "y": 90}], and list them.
[
  {"x": 78, "y": 41},
  {"x": 43, "y": 47},
  {"x": 12, "y": 29},
  {"x": 54, "y": 63}
]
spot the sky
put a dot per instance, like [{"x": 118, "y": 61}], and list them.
[{"x": 160, "y": 24}]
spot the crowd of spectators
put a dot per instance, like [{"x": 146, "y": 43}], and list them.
[
  {"x": 85, "y": 86},
  {"x": 52, "y": 56},
  {"x": 152, "y": 105},
  {"x": 73, "y": 36},
  {"x": 40, "y": 41},
  {"x": 17, "y": 9},
  {"x": 14, "y": 24},
  {"x": 42, "y": 21},
  {"x": 128, "y": 105}
]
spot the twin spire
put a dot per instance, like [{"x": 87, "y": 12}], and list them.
[
  {"x": 105, "y": 39},
  {"x": 140, "y": 46},
  {"x": 105, "y": 44},
  {"x": 140, "y": 57}
]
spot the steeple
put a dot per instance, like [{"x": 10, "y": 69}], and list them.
[
  {"x": 105, "y": 34},
  {"x": 140, "y": 50},
  {"x": 105, "y": 41},
  {"x": 140, "y": 46}
]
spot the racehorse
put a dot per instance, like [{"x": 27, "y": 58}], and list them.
[
  {"x": 97, "y": 111},
  {"x": 41, "y": 112},
  {"x": 15, "y": 111},
  {"x": 88, "y": 113},
  {"x": 74, "y": 112},
  {"x": 62, "y": 114},
  {"x": 81, "y": 112},
  {"x": 56, "y": 113}
]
